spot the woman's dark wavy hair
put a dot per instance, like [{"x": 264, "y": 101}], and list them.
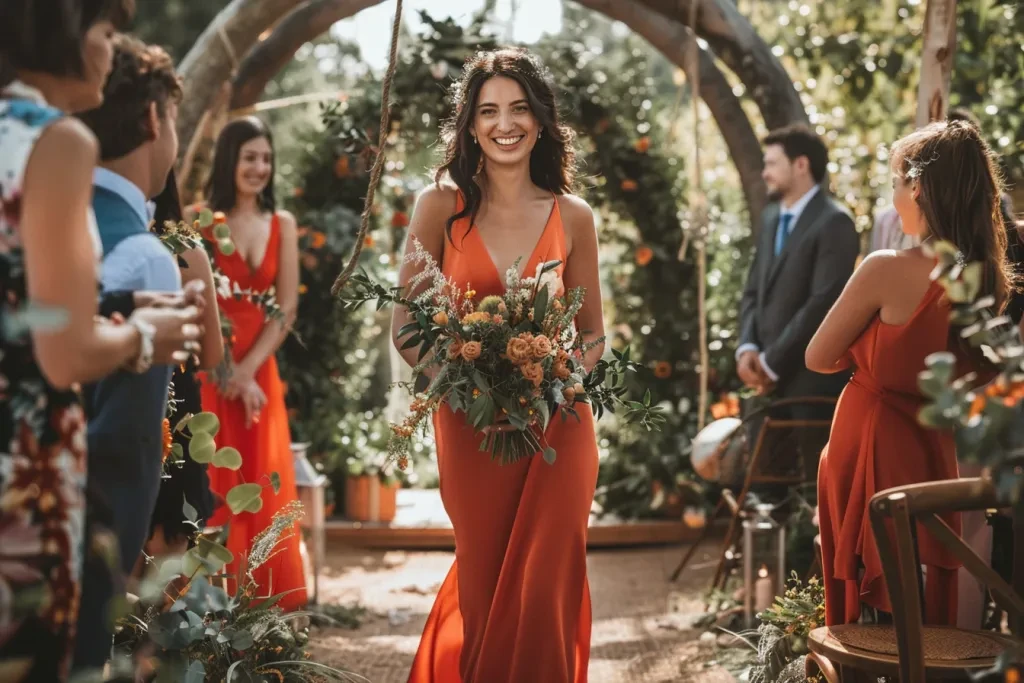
[
  {"x": 221, "y": 191},
  {"x": 961, "y": 197},
  {"x": 46, "y": 35},
  {"x": 553, "y": 160}
]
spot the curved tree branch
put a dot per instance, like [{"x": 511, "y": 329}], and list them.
[
  {"x": 737, "y": 44},
  {"x": 673, "y": 39},
  {"x": 217, "y": 52},
  {"x": 266, "y": 59}
]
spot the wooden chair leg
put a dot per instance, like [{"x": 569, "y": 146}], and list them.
[
  {"x": 705, "y": 532},
  {"x": 816, "y": 664}
]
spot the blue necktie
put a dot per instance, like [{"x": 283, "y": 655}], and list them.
[{"x": 782, "y": 234}]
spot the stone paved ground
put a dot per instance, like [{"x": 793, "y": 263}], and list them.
[{"x": 636, "y": 638}]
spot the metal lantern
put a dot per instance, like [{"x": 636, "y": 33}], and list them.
[
  {"x": 764, "y": 561},
  {"x": 310, "y": 485}
]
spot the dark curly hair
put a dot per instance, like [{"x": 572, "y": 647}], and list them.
[
  {"x": 142, "y": 74},
  {"x": 553, "y": 160}
]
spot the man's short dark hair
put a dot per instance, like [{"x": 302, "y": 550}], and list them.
[
  {"x": 961, "y": 114},
  {"x": 142, "y": 74},
  {"x": 799, "y": 140},
  {"x": 46, "y": 35}
]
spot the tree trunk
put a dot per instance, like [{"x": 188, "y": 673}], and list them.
[
  {"x": 218, "y": 52},
  {"x": 736, "y": 42},
  {"x": 270, "y": 56},
  {"x": 936, "y": 61},
  {"x": 673, "y": 40}
]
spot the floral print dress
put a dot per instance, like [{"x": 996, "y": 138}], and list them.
[{"x": 42, "y": 443}]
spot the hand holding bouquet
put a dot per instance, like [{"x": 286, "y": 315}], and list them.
[{"x": 515, "y": 358}]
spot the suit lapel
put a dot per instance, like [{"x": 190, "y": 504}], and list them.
[
  {"x": 769, "y": 228},
  {"x": 808, "y": 219}
]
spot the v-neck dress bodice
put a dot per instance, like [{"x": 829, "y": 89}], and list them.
[{"x": 516, "y": 604}]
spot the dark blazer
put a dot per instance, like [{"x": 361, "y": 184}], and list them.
[{"x": 787, "y": 296}]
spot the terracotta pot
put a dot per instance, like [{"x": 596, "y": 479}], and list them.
[{"x": 367, "y": 500}]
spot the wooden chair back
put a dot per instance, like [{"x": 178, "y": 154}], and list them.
[{"x": 894, "y": 517}]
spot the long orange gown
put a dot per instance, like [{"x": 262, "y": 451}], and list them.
[
  {"x": 515, "y": 607},
  {"x": 266, "y": 446},
  {"x": 877, "y": 443}
]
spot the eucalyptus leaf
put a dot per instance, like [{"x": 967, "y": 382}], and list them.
[
  {"x": 549, "y": 455},
  {"x": 205, "y": 422},
  {"x": 275, "y": 482},
  {"x": 245, "y": 498},
  {"x": 202, "y": 448},
  {"x": 228, "y": 458}
]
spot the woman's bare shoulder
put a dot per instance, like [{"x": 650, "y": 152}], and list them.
[{"x": 576, "y": 213}]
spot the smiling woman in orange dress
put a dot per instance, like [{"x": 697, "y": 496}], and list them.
[{"x": 516, "y": 604}]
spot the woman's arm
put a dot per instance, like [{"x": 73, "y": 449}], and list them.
[
  {"x": 859, "y": 302},
  {"x": 581, "y": 270},
  {"x": 60, "y": 261},
  {"x": 198, "y": 269},
  {"x": 433, "y": 207},
  {"x": 275, "y": 331}
]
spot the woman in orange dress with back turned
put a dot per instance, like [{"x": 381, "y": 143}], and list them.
[
  {"x": 251, "y": 406},
  {"x": 515, "y": 607},
  {"x": 890, "y": 317}
]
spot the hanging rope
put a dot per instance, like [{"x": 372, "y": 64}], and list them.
[
  {"x": 698, "y": 225},
  {"x": 378, "y": 164}
]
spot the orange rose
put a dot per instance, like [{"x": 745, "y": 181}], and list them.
[
  {"x": 518, "y": 350},
  {"x": 472, "y": 350},
  {"x": 441, "y": 318},
  {"x": 454, "y": 350},
  {"x": 541, "y": 346},
  {"x": 662, "y": 370},
  {"x": 644, "y": 255},
  {"x": 642, "y": 145},
  {"x": 562, "y": 356},
  {"x": 561, "y": 371},
  {"x": 319, "y": 240},
  {"x": 533, "y": 372},
  {"x": 569, "y": 394}
]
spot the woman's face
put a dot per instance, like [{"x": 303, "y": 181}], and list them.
[
  {"x": 97, "y": 61},
  {"x": 255, "y": 165},
  {"x": 905, "y": 192},
  {"x": 503, "y": 123}
]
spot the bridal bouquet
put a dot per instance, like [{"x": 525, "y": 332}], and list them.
[{"x": 515, "y": 358}]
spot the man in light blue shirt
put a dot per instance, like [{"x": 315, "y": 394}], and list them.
[{"x": 135, "y": 127}]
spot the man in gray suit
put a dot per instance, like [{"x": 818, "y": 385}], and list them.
[{"x": 806, "y": 251}]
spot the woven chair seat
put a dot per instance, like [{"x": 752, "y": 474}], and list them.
[{"x": 947, "y": 651}]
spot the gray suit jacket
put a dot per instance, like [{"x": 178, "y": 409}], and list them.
[{"x": 787, "y": 296}]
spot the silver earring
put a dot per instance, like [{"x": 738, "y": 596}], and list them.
[
  {"x": 539, "y": 133},
  {"x": 474, "y": 141}
]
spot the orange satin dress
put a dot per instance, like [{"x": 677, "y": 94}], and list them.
[
  {"x": 515, "y": 607},
  {"x": 877, "y": 443},
  {"x": 266, "y": 446}
]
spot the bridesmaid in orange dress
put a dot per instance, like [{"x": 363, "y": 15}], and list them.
[
  {"x": 515, "y": 607},
  {"x": 251, "y": 406},
  {"x": 889, "y": 318}
]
